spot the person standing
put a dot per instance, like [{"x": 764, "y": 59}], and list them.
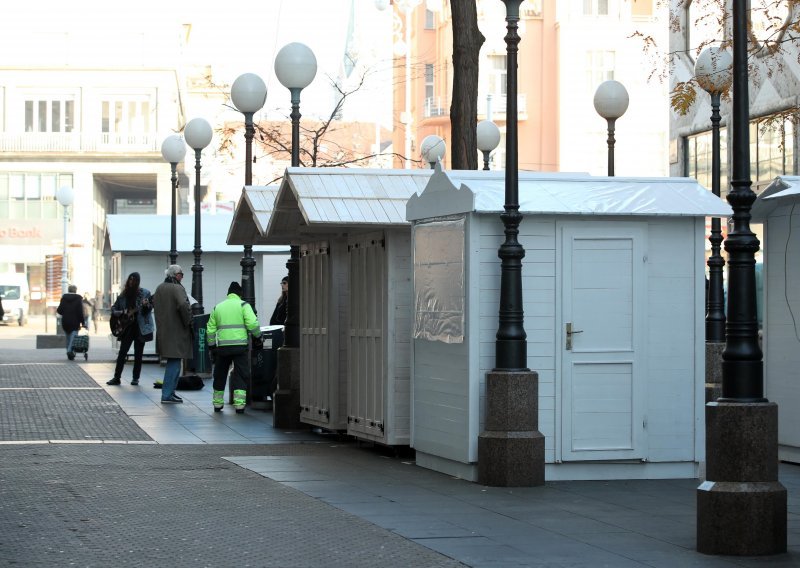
[
  {"x": 133, "y": 305},
  {"x": 229, "y": 328},
  {"x": 70, "y": 308},
  {"x": 87, "y": 309},
  {"x": 97, "y": 305},
  {"x": 173, "y": 329},
  {"x": 279, "y": 313}
]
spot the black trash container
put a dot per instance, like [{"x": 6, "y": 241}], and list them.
[
  {"x": 264, "y": 363},
  {"x": 201, "y": 359}
]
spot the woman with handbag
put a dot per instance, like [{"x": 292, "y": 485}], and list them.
[{"x": 132, "y": 324}]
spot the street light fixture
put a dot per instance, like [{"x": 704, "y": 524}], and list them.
[
  {"x": 295, "y": 67},
  {"x": 432, "y": 149},
  {"x": 248, "y": 93},
  {"x": 611, "y": 102},
  {"x": 65, "y": 195},
  {"x": 198, "y": 135},
  {"x": 488, "y": 135},
  {"x": 714, "y": 75},
  {"x": 173, "y": 149}
]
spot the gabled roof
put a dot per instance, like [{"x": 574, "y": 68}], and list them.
[
  {"x": 151, "y": 233},
  {"x": 336, "y": 199},
  {"x": 253, "y": 210},
  {"x": 454, "y": 192},
  {"x": 781, "y": 191}
]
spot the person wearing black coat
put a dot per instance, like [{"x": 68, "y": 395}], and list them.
[
  {"x": 71, "y": 311},
  {"x": 279, "y": 313}
]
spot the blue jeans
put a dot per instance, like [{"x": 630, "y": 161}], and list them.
[
  {"x": 70, "y": 338},
  {"x": 171, "y": 372}
]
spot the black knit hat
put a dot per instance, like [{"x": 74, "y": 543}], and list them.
[{"x": 235, "y": 288}]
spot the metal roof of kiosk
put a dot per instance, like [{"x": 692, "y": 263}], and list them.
[
  {"x": 151, "y": 233},
  {"x": 326, "y": 199},
  {"x": 251, "y": 217},
  {"x": 781, "y": 191},
  {"x": 464, "y": 191}
]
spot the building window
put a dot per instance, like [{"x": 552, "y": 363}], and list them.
[
  {"x": 595, "y": 7},
  {"x": 30, "y": 196},
  {"x": 498, "y": 71},
  {"x": 642, "y": 8},
  {"x": 428, "y": 81},
  {"x": 704, "y": 25},
  {"x": 698, "y": 153},
  {"x": 600, "y": 67},
  {"x": 49, "y": 115},
  {"x": 125, "y": 116},
  {"x": 430, "y": 19}
]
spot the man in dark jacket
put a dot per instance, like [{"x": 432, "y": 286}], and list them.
[{"x": 71, "y": 311}]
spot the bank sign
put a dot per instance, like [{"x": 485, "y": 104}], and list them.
[{"x": 31, "y": 232}]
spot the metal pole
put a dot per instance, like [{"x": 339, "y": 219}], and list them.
[
  {"x": 173, "y": 239},
  {"x": 715, "y": 313},
  {"x": 64, "y": 280},
  {"x": 408, "y": 87},
  {"x": 197, "y": 267},
  {"x": 485, "y": 159},
  {"x": 292, "y": 324},
  {"x": 511, "y": 344},
  {"x": 248, "y": 263},
  {"x": 611, "y": 124},
  {"x": 742, "y": 367}
]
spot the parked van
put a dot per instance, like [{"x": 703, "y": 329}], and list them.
[{"x": 16, "y": 297}]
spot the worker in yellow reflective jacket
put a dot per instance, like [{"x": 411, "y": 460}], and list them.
[{"x": 230, "y": 326}]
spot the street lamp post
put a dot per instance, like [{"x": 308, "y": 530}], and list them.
[
  {"x": 611, "y": 102},
  {"x": 432, "y": 149},
  {"x": 741, "y": 507},
  {"x": 65, "y": 195},
  {"x": 511, "y": 449},
  {"x": 488, "y": 135},
  {"x": 295, "y": 67},
  {"x": 173, "y": 150},
  {"x": 713, "y": 72},
  {"x": 248, "y": 93},
  {"x": 198, "y": 135}
]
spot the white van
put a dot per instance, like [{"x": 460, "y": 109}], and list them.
[{"x": 16, "y": 297}]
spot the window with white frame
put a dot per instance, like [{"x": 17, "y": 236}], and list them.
[
  {"x": 49, "y": 114},
  {"x": 430, "y": 19},
  {"x": 429, "y": 81},
  {"x": 595, "y": 7},
  {"x": 599, "y": 67},
  {"x": 125, "y": 115},
  {"x": 498, "y": 71},
  {"x": 30, "y": 195}
]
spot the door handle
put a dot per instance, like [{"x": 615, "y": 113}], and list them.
[{"x": 570, "y": 333}]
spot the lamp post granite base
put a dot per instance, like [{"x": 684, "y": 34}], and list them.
[
  {"x": 741, "y": 507},
  {"x": 511, "y": 449},
  {"x": 286, "y": 399},
  {"x": 714, "y": 351}
]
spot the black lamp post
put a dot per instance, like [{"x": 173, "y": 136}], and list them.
[
  {"x": 198, "y": 135},
  {"x": 611, "y": 102},
  {"x": 248, "y": 93},
  {"x": 741, "y": 507},
  {"x": 432, "y": 149},
  {"x": 173, "y": 150},
  {"x": 295, "y": 67},
  {"x": 488, "y": 135},
  {"x": 713, "y": 72}
]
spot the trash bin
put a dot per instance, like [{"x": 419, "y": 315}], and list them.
[
  {"x": 263, "y": 365},
  {"x": 201, "y": 359}
]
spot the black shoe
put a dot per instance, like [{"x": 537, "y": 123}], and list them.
[
  {"x": 114, "y": 381},
  {"x": 217, "y": 409},
  {"x": 240, "y": 411},
  {"x": 176, "y": 396},
  {"x": 172, "y": 400},
  {"x": 71, "y": 356},
  {"x": 135, "y": 382}
]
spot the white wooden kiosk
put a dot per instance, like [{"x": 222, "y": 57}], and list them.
[
  {"x": 619, "y": 263},
  {"x": 140, "y": 243},
  {"x": 355, "y": 292},
  {"x": 778, "y": 208}
]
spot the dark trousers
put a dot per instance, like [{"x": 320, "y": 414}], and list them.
[
  {"x": 222, "y": 362},
  {"x": 128, "y": 338}
]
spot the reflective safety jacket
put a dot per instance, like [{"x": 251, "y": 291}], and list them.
[{"x": 230, "y": 323}]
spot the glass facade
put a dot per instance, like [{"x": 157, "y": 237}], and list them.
[{"x": 30, "y": 195}]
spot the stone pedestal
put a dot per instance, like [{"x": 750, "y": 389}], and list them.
[
  {"x": 511, "y": 449},
  {"x": 286, "y": 400},
  {"x": 741, "y": 508},
  {"x": 714, "y": 351}
]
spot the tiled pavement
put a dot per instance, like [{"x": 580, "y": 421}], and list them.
[{"x": 166, "y": 492}]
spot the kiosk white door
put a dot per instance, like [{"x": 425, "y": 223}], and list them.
[{"x": 602, "y": 305}]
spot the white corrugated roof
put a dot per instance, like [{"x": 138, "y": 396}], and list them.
[
  {"x": 151, "y": 233},
  {"x": 453, "y": 192},
  {"x": 343, "y": 197},
  {"x": 777, "y": 193},
  {"x": 251, "y": 218}
]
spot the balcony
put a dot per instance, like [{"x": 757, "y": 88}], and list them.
[
  {"x": 103, "y": 143},
  {"x": 499, "y": 107},
  {"x": 436, "y": 106}
]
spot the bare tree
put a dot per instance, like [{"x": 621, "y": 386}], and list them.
[{"x": 467, "y": 42}]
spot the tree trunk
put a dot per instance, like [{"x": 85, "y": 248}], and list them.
[{"x": 467, "y": 42}]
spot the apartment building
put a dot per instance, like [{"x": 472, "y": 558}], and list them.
[{"x": 567, "y": 49}]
